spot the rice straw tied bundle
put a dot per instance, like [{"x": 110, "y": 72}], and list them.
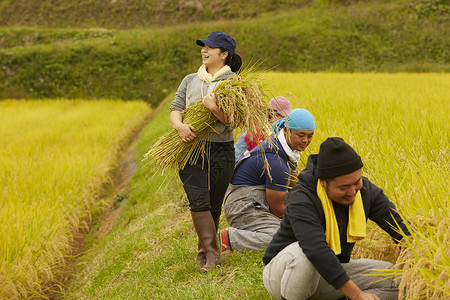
[{"x": 239, "y": 97}]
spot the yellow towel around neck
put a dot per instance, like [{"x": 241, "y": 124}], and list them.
[
  {"x": 205, "y": 76},
  {"x": 356, "y": 229}
]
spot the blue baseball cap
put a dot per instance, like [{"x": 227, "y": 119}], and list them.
[{"x": 219, "y": 39}]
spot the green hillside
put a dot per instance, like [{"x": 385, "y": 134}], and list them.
[
  {"x": 148, "y": 63},
  {"x": 127, "y": 14}
]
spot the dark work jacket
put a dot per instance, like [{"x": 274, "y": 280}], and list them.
[{"x": 304, "y": 221}]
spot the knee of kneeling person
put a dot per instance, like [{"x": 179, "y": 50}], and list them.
[{"x": 288, "y": 276}]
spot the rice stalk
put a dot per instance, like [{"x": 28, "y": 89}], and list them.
[
  {"x": 377, "y": 245},
  {"x": 421, "y": 260},
  {"x": 57, "y": 155},
  {"x": 241, "y": 98},
  {"x": 425, "y": 262}
]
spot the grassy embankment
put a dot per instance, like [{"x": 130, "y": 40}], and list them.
[
  {"x": 57, "y": 160},
  {"x": 132, "y": 14},
  {"x": 146, "y": 62},
  {"x": 397, "y": 122}
]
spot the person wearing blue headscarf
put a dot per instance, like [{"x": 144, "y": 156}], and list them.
[
  {"x": 253, "y": 202},
  {"x": 299, "y": 119},
  {"x": 278, "y": 107}
]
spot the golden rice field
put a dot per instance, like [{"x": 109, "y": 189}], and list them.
[
  {"x": 54, "y": 156},
  {"x": 400, "y": 125}
]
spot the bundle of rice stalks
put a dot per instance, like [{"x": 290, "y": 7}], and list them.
[
  {"x": 377, "y": 245},
  {"x": 241, "y": 98},
  {"x": 421, "y": 260},
  {"x": 425, "y": 262}
]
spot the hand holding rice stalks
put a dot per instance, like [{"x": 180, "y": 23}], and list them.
[{"x": 241, "y": 100}]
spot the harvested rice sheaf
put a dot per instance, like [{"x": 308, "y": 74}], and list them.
[
  {"x": 241, "y": 98},
  {"x": 421, "y": 261},
  {"x": 377, "y": 245},
  {"x": 425, "y": 263}
]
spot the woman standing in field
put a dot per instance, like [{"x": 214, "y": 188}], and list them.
[{"x": 206, "y": 181}]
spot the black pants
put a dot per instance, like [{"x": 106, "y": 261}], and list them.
[{"x": 206, "y": 182}]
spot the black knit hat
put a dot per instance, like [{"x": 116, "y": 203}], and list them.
[{"x": 337, "y": 158}]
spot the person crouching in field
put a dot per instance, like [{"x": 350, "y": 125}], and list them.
[
  {"x": 206, "y": 181},
  {"x": 326, "y": 213},
  {"x": 253, "y": 202},
  {"x": 279, "y": 107}
]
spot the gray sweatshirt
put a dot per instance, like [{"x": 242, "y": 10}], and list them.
[{"x": 191, "y": 90}]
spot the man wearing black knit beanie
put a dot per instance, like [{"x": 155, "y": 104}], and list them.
[{"x": 325, "y": 215}]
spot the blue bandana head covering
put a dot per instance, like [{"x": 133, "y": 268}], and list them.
[{"x": 298, "y": 119}]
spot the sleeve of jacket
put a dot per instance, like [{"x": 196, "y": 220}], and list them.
[
  {"x": 383, "y": 212},
  {"x": 240, "y": 146},
  {"x": 179, "y": 102},
  {"x": 305, "y": 221}
]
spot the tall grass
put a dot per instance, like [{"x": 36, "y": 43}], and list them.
[
  {"x": 397, "y": 122},
  {"x": 54, "y": 157}
]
